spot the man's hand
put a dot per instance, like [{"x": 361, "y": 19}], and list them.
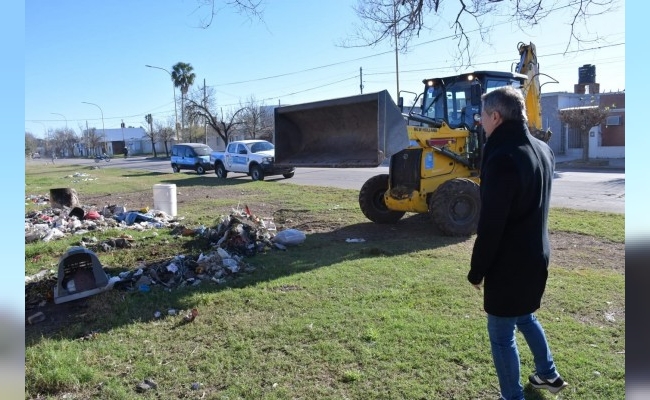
[{"x": 478, "y": 286}]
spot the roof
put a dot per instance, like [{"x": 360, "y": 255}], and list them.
[
  {"x": 246, "y": 141},
  {"x": 119, "y": 134},
  {"x": 192, "y": 144}
]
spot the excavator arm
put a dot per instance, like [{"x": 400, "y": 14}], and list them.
[{"x": 529, "y": 66}]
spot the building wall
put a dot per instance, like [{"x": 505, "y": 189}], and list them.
[
  {"x": 606, "y": 141},
  {"x": 613, "y": 135}
]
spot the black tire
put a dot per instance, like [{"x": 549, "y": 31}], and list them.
[
  {"x": 200, "y": 170},
  {"x": 96, "y": 159},
  {"x": 371, "y": 201},
  {"x": 256, "y": 173},
  {"x": 220, "y": 170},
  {"x": 175, "y": 168},
  {"x": 289, "y": 175},
  {"x": 455, "y": 206}
]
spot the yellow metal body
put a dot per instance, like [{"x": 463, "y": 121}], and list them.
[{"x": 435, "y": 167}]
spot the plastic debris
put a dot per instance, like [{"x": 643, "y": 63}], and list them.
[{"x": 290, "y": 237}]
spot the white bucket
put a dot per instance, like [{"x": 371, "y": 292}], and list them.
[{"x": 164, "y": 198}]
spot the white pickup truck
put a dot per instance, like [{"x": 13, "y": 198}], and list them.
[{"x": 250, "y": 157}]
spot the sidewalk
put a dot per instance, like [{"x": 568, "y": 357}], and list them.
[{"x": 599, "y": 164}]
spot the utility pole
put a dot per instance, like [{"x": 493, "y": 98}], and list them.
[
  {"x": 396, "y": 48},
  {"x": 87, "y": 133},
  {"x": 361, "y": 79},
  {"x": 123, "y": 141},
  {"x": 205, "y": 120}
]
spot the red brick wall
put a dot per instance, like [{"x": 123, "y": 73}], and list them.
[{"x": 614, "y": 135}]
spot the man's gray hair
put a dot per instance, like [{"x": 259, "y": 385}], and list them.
[{"x": 507, "y": 101}]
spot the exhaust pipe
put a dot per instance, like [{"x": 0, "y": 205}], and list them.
[{"x": 357, "y": 131}]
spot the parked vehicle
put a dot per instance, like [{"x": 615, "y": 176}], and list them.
[
  {"x": 251, "y": 157},
  {"x": 194, "y": 156}
]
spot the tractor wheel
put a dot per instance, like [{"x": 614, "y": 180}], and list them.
[
  {"x": 256, "y": 173},
  {"x": 371, "y": 201},
  {"x": 220, "y": 171},
  {"x": 175, "y": 168},
  {"x": 454, "y": 207}
]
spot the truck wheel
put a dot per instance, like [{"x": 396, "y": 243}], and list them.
[
  {"x": 455, "y": 206},
  {"x": 371, "y": 201},
  {"x": 175, "y": 168},
  {"x": 256, "y": 173},
  {"x": 220, "y": 171},
  {"x": 289, "y": 175},
  {"x": 200, "y": 170}
]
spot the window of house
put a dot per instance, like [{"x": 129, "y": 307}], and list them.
[{"x": 613, "y": 120}]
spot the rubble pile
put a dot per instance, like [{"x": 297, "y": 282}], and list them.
[
  {"x": 238, "y": 235},
  {"x": 53, "y": 223}
]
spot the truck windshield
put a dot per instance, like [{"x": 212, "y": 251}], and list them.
[
  {"x": 456, "y": 96},
  {"x": 261, "y": 146}
]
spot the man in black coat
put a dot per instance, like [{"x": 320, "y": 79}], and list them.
[{"x": 511, "y": 252}]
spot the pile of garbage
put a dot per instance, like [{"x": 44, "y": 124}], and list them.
[
  {"x": 53, "y": 223},
  {"x": 236, "y": 236}
]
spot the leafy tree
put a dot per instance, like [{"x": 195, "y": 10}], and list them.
[
  {"x": 183, "y": 78},
  {"x": 583, "y": 119}
]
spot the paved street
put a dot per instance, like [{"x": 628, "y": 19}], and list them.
[{"x": 594, "y": 190}]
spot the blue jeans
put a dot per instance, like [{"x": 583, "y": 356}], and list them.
[{"x": 505, "y": 354}]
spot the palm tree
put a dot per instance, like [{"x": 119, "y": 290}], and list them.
[{"x": 183, "y": 78}]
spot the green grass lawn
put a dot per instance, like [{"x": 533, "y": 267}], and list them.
[{"x": 390, "y": 318}]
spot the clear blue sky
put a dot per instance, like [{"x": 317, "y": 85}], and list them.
[{"x": 96, "y": 52}]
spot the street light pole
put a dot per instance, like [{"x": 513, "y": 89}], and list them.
[
  {"x": 100, "y": 110},
  {"x": 175, "y": 111},
  {"x": 66, "y": 120}
]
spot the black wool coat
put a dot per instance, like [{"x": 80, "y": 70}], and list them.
[{"x": 511, "y": 252}]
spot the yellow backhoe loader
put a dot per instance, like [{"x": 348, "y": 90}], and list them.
[{"x": 434, "y": 154}]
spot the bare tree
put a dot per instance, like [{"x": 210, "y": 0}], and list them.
[
  {"x": 63, "y": 141},
  {"x": 253, "y": 120},
  {"x": 31, "y": 143},
  {"x": 166, "y": 133},
  {"x": 403, "y": 20},
  {"x": 201, "y": 107},
  {"x": 253, "y": 9},
  {"x": 91, "y": 141},
  {"x": 583, "y": 119}
]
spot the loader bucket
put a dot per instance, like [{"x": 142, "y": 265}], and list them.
[{"x": 349, "y": 132}]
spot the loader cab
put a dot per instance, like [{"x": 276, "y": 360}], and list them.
[{"x": 456, "y": 99}]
